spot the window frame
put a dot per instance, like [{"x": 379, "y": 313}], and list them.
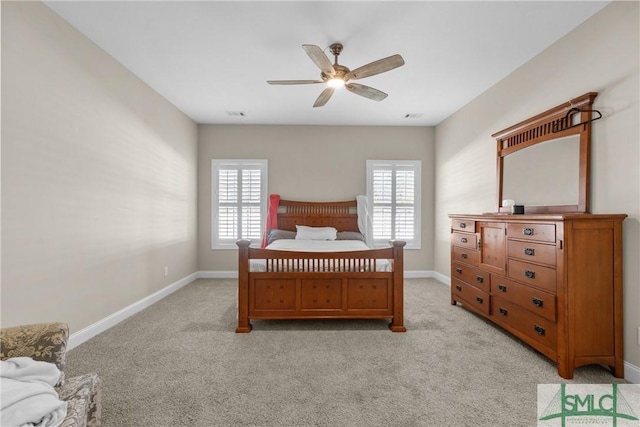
[
  {"x": 416, "y": 166},
  {"x": 240, "y": 164}
]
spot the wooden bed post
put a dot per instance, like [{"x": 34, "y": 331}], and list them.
[
  {"x": 397, "y": 324},
  {"x": 243, "y": 287}
]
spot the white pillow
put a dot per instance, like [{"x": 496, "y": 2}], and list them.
[{"x": 315, "y": 233}]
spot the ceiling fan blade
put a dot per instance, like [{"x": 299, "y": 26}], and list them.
[
  {"x": 293, "y": 82},
  {"x": 377, "y": 67},
  {"x": 366, "y": 91},
  {"x": 324, "y": 97},
  {"x": 319, "y": 58}
]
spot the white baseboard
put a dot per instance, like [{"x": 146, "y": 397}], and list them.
[
  {"x": 442, "y": 278},
  {"x": 100, "y": 326},
  {"x": 631, "y": 373},
  {"x": 91, "y": 331},
  {"x": 418, "y": 274},
  {"x": 217, "y": 274}
]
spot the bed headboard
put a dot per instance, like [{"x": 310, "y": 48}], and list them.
[{"x": 341, "y": 215}]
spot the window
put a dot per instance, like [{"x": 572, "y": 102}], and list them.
[
  {"x": 393, "y": 190},
  {"x": 238, "y": 201}
]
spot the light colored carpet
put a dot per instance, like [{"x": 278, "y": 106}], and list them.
[{"x": 179, "y": 363}]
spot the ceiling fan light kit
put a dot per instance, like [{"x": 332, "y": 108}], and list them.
[
  {"x": 336, "y": 75},
  {"x": 335, "y": 82}
]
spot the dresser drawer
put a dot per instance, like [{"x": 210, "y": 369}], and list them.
[
  {"x": 536, "y": 275},
  {"x": 465, "y": 240},
  {"x": 510, "y": 315},
  {"x": 467, "y": 225},
  {"x": 536, "y": 301},
  {"x": 534, "y": 252},
  {"x": 534, "y": 232},
  {"x": 465, "y": 255},
  {"x": 473, "y": 276},
  {"x": 471, "y": 296}
]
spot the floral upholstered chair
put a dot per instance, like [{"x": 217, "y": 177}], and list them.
[{"x": 47, "y": 342}]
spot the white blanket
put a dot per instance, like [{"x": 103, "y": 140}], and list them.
[
  {"x": 319, "y": 246},
  {"x": 28, "y": 397}
]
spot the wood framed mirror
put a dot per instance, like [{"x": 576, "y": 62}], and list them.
[{"x": 543, "y": 162}]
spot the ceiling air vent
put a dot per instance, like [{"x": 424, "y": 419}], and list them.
[
  {"x": 413, "y": 115},
  {"x": 236, "y": 113}
]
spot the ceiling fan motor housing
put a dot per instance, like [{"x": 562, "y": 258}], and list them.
[{"x": 341, "y": 72}]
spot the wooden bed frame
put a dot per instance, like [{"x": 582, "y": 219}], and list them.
[{"x": 342, "y": 290}]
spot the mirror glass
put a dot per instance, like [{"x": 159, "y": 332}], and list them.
[{"x": 547, "y": 173}]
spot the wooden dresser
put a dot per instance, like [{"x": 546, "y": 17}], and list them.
[{"x": 552, "y": 280}]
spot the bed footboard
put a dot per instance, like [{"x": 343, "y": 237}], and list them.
[{"x": 312, "y": 285}]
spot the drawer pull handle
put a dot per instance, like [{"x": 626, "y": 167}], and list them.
[
  {"x": 530, "y": 274},
  {"x": 539, "y": 329},
  {"x": 459, "y": 270},
  {"x": 480, "y": 279},
  {"x": 459, "y": 288},
  {"x": 527, "y": 231},
  {"x": 529, "y": 251},
  {"x": 463, "y": 225},
  {"x": 463, "y": 255},
  {"x": 537, "y": 302},
  {"x": 503, "y": 311},
  {"x": 480, "y": 300},
  {"x": 463, "y": 240},
  {"x": 502, "y": 288}
]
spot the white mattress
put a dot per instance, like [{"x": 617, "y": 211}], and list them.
[{"x": 319, "y": 246}]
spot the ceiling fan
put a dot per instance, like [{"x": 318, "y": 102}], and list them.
[{"x": 336, "y": 75}]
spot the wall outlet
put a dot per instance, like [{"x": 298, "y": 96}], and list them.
[{"x": 166, "y": 271}]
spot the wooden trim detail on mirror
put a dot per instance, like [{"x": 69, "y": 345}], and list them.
[{"x": 549, "y": 125}]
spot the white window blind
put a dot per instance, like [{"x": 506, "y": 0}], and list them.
[
  {"x": 393, "y": 189},
  {"x": 239, "y": 200}
]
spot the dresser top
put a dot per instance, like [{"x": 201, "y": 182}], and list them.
[{"x": 539, "y": 217}]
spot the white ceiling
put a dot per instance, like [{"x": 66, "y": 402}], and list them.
[{"x": 209, "y": 58}]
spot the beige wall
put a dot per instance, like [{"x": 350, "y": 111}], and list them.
[
  {"x": 314, "y": 163},
  {"x": 602, "y": 56},
  {"x": 98, "y": 177}
]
